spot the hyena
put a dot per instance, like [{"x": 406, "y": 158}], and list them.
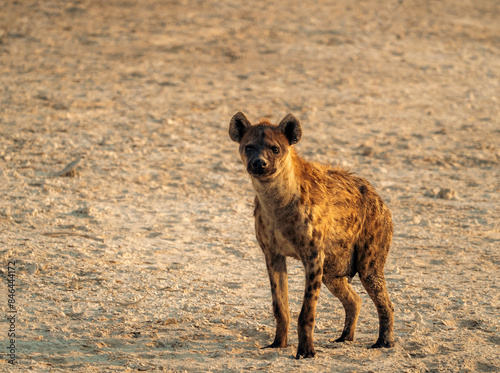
[{"x": 332, "y": 221}]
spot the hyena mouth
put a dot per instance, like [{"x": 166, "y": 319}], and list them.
[{"x": 259, "y": 173}]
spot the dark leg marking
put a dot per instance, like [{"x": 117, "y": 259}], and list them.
[
  {"x": 314, "y": 273},
  {"x": 276, "y": 267}
]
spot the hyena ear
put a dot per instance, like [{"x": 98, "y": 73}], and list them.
[
  {"x": 290, "y": 127},
  {"x": 238, "y": 126}
]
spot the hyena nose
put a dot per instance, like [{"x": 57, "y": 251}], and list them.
[{"x": 259, "y": 164}]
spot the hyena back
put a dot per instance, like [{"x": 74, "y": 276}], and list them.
[{"x": 331, "y": 220}]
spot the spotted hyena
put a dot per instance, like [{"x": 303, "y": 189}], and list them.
[{"x": 332, "y": 221}]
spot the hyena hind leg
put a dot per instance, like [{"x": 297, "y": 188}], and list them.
[
  {"x": 375, "y": 285},
  {"x": 340, "y": 287}
]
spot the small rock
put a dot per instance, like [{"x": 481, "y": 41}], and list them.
[
  {"x": 448, "y": 322},
  {"x": 69, "y": 170},
  {"x": 83, "y": 212},
  {"x": 443, "y": 193},
  {"x": 367, "y": 151},
  {"x": 432, "y": 193},
  {"x": 425, "y": 223},
  {"x": 418, "y": 318},
  {"x": 447, "y": 194}
]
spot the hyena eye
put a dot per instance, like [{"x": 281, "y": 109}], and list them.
[
  {"x": 249, "y": 148},
  {"x": 275, "y": 149}
]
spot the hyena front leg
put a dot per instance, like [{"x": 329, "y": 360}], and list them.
[
  {"x": 276, "y": 268},
  {"x": 314, "y": 274}
]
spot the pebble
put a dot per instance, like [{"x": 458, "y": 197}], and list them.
[
  {"x": 443, "y": 193},
  {"x": 447, "y": 194}
]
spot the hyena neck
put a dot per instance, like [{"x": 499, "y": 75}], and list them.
[{"x": 281, "y": 193}]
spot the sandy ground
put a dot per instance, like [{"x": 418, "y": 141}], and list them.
[{"x": 143, "y": 257}]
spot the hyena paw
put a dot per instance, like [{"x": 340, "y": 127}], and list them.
[
  {"x": 383, "y": 344},
  {"x": 276, "y": 344},
  {"x": 305, "y": 350},
  {"x": 343, "y": 339}
]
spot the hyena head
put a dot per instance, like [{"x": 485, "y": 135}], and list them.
[{"x": 264, "y": 148}]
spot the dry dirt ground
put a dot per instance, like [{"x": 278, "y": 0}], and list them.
[{"x": 142, "y": 256}]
